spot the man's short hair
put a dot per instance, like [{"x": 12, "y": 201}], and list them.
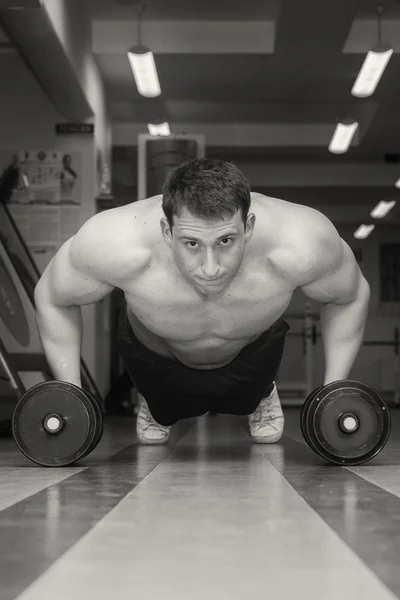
[{"x": 210, "y": 189}]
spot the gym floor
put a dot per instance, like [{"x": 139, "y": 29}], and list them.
[{"x": 211, "y": 515}]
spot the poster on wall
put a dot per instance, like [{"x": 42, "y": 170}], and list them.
[
  {"x": 70, "y": 188},
  {"x": 43, "y": 191}
]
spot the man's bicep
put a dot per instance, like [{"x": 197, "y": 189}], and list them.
[
  {"x": 338, "y": 279},
  {"x": 70, "y": 279}
]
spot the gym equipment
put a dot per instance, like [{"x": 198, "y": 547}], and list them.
[
  {"x": 56, "y": 423},
  {"x": 11, "y": 308},
  {"x": 157, "y": 157},
  {"x": 346, "y": 422},
  {"x": 303, "y": 414},
  {"x": 19, "y": 276},
  {"x": 100, "y": 425}
]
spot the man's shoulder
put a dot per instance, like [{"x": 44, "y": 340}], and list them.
[
  {"x": 305, "y": 239},
  {"x": 117, "y": 241}
]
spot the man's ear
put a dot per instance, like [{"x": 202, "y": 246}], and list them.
[
  {"x": 251, "y": 219},
  {"x": 166, "y": 231}
]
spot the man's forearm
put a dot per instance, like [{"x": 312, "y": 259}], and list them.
[
  {"x": 342, "y": 330},
  {"x": 60, "y": 330}
]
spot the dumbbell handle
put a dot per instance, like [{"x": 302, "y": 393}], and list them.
[{"x": 53, "y": 423}]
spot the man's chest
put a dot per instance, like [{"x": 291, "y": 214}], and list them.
[{"x": 170, "y": 310}]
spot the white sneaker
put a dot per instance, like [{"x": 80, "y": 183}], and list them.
[
  {"x": 267, "y": 421},
  {"x": 147, "y": 429}
]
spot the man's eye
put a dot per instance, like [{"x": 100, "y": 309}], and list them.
[
  {"x": 226, "y": 240},
  {"x": 190, "y": 244}
]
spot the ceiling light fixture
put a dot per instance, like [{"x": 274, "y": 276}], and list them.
[
  {"x": 143, "y": 65},
  {"x": 161, "y": 129},
  {"x": 382, "y": 209},
  {"x": 373, "y": 66},
  {"x": 363, "y": 232},
  {"x": 343, "y": 136}
]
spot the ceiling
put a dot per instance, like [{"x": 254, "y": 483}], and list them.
[
  {"x": 182, "y": 10},
  {"x": 286, "y": 63},
  {"x": 265, "y": 81}
]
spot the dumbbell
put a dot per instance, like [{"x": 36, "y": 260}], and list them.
[
  {"x": 55, "y": 423},
  {"x": 346, "y": 422}
]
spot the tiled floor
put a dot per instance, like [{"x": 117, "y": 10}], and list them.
[{"x": 209, "y": 516}]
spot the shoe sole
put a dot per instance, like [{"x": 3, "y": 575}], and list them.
[
  {"x": 267, "y": 440},
  {"x": 152, "y": 442}
]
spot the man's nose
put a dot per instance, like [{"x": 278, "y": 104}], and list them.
[{"x": 210, "y": 266}]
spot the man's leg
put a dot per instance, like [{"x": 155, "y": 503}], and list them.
[
  {"x": 148, "y": 430},
  {"x": 267, "y": 421}
]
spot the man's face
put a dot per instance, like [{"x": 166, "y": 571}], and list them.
[{"x": 208, "y": 253}]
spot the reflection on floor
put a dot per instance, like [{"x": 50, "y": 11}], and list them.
[{"x": 211, "y": 515}]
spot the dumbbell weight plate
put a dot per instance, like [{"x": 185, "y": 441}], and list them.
[
  {"x": 79, "y": 418},
  {"x": 323, "y": 416},
  {"x": 100, "y": 424},
  {"x": 303, "y": 415}
]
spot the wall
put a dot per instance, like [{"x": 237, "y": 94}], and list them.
[
  {"x": 23, "y": 123},
  {"x": 73, "y": 26}
]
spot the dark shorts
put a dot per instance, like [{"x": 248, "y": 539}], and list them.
[{"x": 174, "y": 391}]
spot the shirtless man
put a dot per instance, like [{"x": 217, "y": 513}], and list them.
[{"x": 207, "y": 270}]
